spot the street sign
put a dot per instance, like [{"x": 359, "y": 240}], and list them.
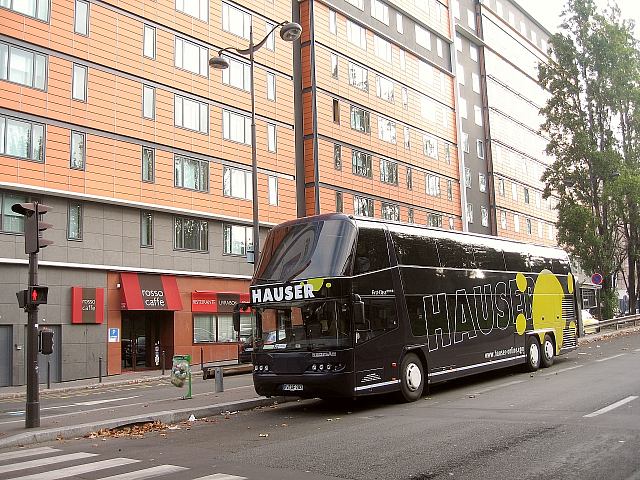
[
  {"x": 596, "y": 279},
  {"x": 114, "y": 335}
]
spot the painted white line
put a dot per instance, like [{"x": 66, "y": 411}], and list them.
[
  {"x": 495, "y": 387},
  {"x": 146, "y": 473},
  {"x": 14, "y": 467},
  {"x": 27, "y": 453},
  {"x": 98, "y": 402},
  {"x": 221, "y": 476},
  {"x": 560, "y": 371},
  {"x": 611, "y": 407},
  {"x": 78, "y": 470},
  {"x": 610, "y": 358},
  {"x": 637, "y": 350}
]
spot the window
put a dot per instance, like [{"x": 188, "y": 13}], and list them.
[
  {"x": 409, "y": 178},
  {"x": 74, "y": 221},
  {"x": 148, "y": 164},
  {"x": 195, "y": 8},
  {"x": 360, "y": 119},
  {"x": 22, "y": 139},
  {"x": 460, "y": 74},
  {"x": 473, "y": 52},
  {"x": 386, "y": 130},
  {"x": 337, "y": 157},
  {"x": 382, "y": 48},
  {"x": 192, "y": 57},
  {"x": 540, "y": 229},
  {"x": 484, "y": 216},
  {"x": 237, "y": 183},
  {"x": 514, "y": 192},
  {"x": 336, "y": 111},
  {"x": 356, "y": 35},
  {"x": 238, "y": 74},
  {"x": 512, "y": 19},
  {"x": 237, "y": 239},
  {"x": 388, "y": 171},
  {"x": 434, "y": 220},
  {"x": 462, "y": 103},
  {"x": 273, "y": 190},
  {"x": 271, "y": 39},
  {"x": 501, "y": 186},
  {"x": 390, "y": 211},
  {"x": 361, "y": 163},
  {"x": 235, "y": 21},
  {"x": 482, "y": 182},
  {"x": 465, "y": 142},
  {"x": 447, "y": 153},
  {"x": 148, "y": 102},
  {"x": 334, "y": 65},
  {"x": 212, "y": 328},
  {"x": 399, "y": 23},
  {"x": 363, "y": 207},
  {"x": 449, "y": 189},
  {"x": 77, "y": 150},
  {"x": 475, "y": 82},
  {"x": 529, "y": 226},
  {"x": 452, "y": 223},
  {"x": 499, "y": 10},
  {"x": 458, "y": 42},
  {"x": 236, "y": 127},
  {"x": 407, "y": 138},
  {"x": 38, "y": 9},
  {"x": 403, "y": 60},
  {"x": 12, "y": 222},
  {"x": 358, "y": 76},
  {"x": 433, "y": 185},
  {"x": 477, "y": 115},
  {"x": 430, "y": 146},
  {"x": 439, "y": 47},
  {"x": 405, "y": 98},
  {"x": 333, "y": 23},
  {"x": 551, "y": 234},
  {"x": 380, "y": 11},
  {"x": 471, "y": 19},
  {"x": 191, "y": 173},
  {"x": 480, "y": 148},
  {"x": 467, "y": 177},
  {"x": 526, "y": 195},
  {"x": 81, "y": 20},
  {"x": 272, "y": 143},
  {"x": 357, "y": 3},
  {"x": 384, "y": 88},
  {"x": 190, "y": 234},
  {"x": 271, "y": 87},
  {"x": 503, "y": 219},
  {"x": 146, "y": 228},
  {"x": 339, "y": 202},
  {"x": 523, "y": 28},
  {"x": 516, "y": 223},
  {"x": 538, "y": 200},
  {"x": 191, "y": 114},
  {"x": 149, "y": 42},
  {"x": 22, "y": 66},
  {"x": 423, "y": 37},
  {"x": 456, "y": 9},
  {"x": 469, "y": 213}
]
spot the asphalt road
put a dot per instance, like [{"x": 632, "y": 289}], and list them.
[{"x": 580, "y": 419}]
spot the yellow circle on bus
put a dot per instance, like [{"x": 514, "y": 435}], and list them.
[
  {"x": 521, "y": 324},
  {"x": 521, "y": 282}
]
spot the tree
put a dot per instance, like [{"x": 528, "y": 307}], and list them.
[{"x": 592, "y": 81}]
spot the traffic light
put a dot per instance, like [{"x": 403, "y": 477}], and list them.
[
  {"x": 33, "y": 242},
  {"x": 37, "y": 295},
  {"x": 45, "y": 341}
]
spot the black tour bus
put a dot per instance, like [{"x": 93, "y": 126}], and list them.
[{"x": 350, "y": 306}]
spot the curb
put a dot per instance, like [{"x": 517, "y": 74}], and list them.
[{"x": 168, "y": 416}]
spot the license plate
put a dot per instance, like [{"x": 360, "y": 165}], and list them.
[{"x": 292, "y": 387}]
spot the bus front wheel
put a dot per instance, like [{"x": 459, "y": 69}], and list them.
[
  {"x": 548, "y": 352},
  {"x": 412, "y": 378},
  {"x": 533, "y": 353}
]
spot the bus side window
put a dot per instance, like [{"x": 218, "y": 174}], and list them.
[
  {"x": 371, "y": 253},
  {"x": 489, "y": 258},
  {"x": 516, "y": 261},
  {"x": 414, "y": 250},
  {"x": 380, "y": 317},
  {"x": 456, "y": 254}
]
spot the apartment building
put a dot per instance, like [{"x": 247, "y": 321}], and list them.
[
  {"x": 110, "y": 114},
  {"x": 498, "y": 47}
]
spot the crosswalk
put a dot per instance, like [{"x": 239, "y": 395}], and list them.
[{"x": 48, "y": 463}]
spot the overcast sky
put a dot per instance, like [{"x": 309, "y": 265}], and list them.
[{"x": 548, "y": 11}]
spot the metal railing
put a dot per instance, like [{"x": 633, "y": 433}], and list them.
[{"x": 619, "y": 321}]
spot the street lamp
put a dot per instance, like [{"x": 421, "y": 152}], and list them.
[{"x": 289, "y": 32}]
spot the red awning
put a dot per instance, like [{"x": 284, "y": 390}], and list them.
[{"x": 149, "y": 292}]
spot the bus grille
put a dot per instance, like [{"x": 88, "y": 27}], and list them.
[
  {"x": 569, "y": 339},
  {"x": 568, "y": 309}
]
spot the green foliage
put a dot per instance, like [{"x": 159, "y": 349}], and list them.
[{"x": 609, "y": 300}]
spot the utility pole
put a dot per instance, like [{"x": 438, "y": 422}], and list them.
[{"x": 30, "y": 298}]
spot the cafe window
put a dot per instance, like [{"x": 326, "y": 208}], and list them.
[
  {"x": 237, "y": 239},
  {"x": 213, "y": 328}
]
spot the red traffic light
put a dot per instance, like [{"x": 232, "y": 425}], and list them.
[{"x": 37, "y": 295}]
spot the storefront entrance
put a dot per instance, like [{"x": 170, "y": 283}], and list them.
[{"x": 144, "y": 336}]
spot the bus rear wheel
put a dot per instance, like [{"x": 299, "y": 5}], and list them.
[
  {"x": 412, "y": 378},
  {"x": 548, "y": 352},
  {"x": 533, "y": 353}
]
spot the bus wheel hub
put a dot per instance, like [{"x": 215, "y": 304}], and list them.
[{"x": 414, "y": 377}]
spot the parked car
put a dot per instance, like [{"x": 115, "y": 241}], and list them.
[{"x": 590, "y": 324}]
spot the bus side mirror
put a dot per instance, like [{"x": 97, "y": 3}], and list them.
[
  {"x": 358, "y": 312},
  {"x": 236, "y": 315}
]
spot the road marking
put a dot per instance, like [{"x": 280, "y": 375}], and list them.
[
  {"x": 13, "y": 467},
  {"x": 27, "y": 453},
  {"x": 495, "y": 387},
  {"x": 610, "y": 358},
  {"x": 611, "y": 407},
  {"x": 146, "y": 473},
  {"x": 560, "y": 371},
  {"x": 78, "y": 470},
  {"x": 98, "y": 402},
  {"x": 637, "y": 350},
  {"x": 221, "y": 476}
]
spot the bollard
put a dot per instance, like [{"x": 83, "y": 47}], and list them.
[
  {"x": 219, "y": 380},
  {"x": 201, "y": 359},
  {"x": 163, "y": 363},
  {"x": 99, "y": 369},
  {"x": 48, "y": 375}
]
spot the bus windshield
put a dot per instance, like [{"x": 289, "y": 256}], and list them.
[
  {"x": 308, "y": 327},
  {"x": 320, "y": 248}
]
